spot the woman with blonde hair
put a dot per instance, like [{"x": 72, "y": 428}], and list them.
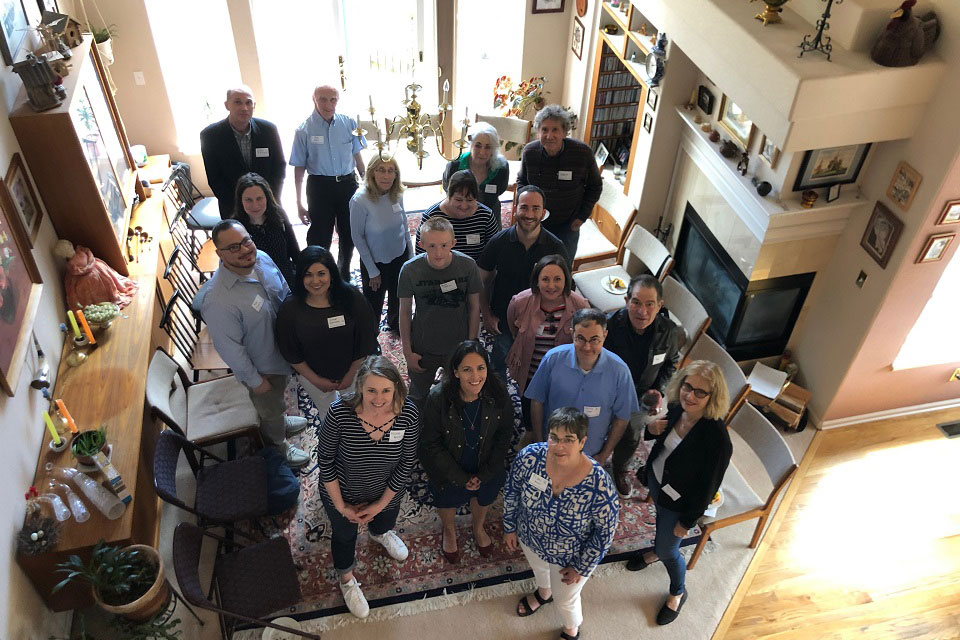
[
  {"x": 378, "y": 224},
  {"x": 485, "y": 162},
  {"x": 685, "y": 469}
]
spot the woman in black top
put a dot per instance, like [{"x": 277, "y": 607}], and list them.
[
  {"x": 366, "y": 449},
  {"x": 685, "y": 469},
  {"x": 259, "y": 212},
  {"x": 325, "y": 329},
  {"x": 467, "y": 425}
]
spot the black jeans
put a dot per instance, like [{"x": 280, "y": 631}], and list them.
[
  {"x": 624, "y": 450},
  {"x": 389, "y": 277},
  {"x": 328, "y": 202},
  {"x": 343, "y": 541}
]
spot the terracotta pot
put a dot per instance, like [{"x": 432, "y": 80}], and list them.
[
  {"x": 149, "y": 604},
  {"x": 87, "y": 460}
]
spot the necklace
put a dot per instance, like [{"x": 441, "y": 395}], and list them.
[{"x": 382, "y": 429}]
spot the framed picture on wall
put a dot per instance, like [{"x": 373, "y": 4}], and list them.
[
  {"x": 20, "y": 287},
  {"x": 705, "y": 100},
  {"x": 25, "y": 199},
  {"x": 735, "y": 122},
  {"x": 827, "y": 167},
  {"x": 547, "y": 6},
  {"x": 903, "y": 185},
  {"x": 935, "y": 247},
  {"x": 769, "y": 152},
  {"x": 13, "y": 29},
  {"x": 950, "y": 213},
  {"x": 48, "y": 5},
  {"x": 577, "y": 42},
  {"x": 652, "y": 98},
  {"x": 647, "y": 122},
  {"x": 881, "y": 235}
]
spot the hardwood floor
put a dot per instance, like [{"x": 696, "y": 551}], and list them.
[{"x": 868, "y": 545}]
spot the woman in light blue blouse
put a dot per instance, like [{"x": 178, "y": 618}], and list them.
[
  {"x": 378, "y": 224},
  {"x": 562, "y": 509}
]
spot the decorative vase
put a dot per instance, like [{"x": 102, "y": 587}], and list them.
[
  {"x": 771, "y": 11},
  {"x": 808, "y": 198}
]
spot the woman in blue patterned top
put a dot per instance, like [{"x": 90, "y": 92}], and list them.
[{"x": 562, "y": 509}]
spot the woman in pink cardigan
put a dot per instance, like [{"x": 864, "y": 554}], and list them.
[{"x": 539, "y": 319}]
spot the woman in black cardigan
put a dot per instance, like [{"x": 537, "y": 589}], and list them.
[
  {"x": 467, "y": 424},
  {"x": 685, "y": 469}
]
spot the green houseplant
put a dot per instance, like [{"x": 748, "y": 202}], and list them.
[
  {"x": 86, "y": 444},
  {"x": 103, "y": 37}
]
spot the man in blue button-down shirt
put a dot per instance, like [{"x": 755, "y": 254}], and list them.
[
  {"x": 325, "y": 148},
  {"x": 589, "y": 378},
  {"x": 240, "y": 305}
]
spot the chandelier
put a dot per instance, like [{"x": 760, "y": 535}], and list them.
[{"x": 416, "y": 124}]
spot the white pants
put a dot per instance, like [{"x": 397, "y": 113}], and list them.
[
  {"x": 322, "y": 399},
  {"x": 566, "y": 597}
]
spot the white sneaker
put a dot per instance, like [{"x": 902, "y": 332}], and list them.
[
  {"x": 294, "y": 424},
  {"x": 296, "y": 457},
  {"x": 393, "y": 544},
  {"x": 356, "y": 603}
]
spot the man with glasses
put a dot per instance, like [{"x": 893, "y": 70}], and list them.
[
  {"x": 649, "y": 342},
  {"x": 240, "y": 305},
  {"x": 589, "y": 378}
]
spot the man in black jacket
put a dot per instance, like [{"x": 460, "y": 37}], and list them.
[
  {"x": 239, "y": 144},
  {"x": 650, "y": 344}
]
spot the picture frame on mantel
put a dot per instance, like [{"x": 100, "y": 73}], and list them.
[
  {"x": 25, "y": 199},
  {"x": 935, "y": 247},
  {"x": 735, "y": 122},
  {"x": 881, "y": 235},
  {"x": 20, "y": 287},
  {"x": 903, "y": 185},
  {"x": 13, "y": 29},
  {"x": 547, "y": 6},
  {"x": 823, "y": 168}
]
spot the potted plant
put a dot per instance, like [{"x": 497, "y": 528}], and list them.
[
  {"x": 126, "y": 582},
  {"x": 87, "y": 444},
  {"x": 103, "y": 37}
]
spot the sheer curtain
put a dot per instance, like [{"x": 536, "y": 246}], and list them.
[{"x": 489, "y": 45}]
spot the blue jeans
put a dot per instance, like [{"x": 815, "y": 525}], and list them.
[{"x": 666, "y": 545}]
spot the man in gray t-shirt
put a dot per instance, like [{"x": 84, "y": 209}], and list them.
[{"x": 446, "y": 286}]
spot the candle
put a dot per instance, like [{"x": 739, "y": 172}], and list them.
[
  {"x": 446, "y": 89},
  {"x": 369, "y": 97},
  {"x": 73, "y": 323},
  {"x": 51, "y": 428},
  {"x": 86, "y": 327},
  {"x": 62, "y": 408}
]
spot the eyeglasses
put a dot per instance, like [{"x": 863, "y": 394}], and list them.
[
  {"x": 555, "y": 439},
  {"x": 236, "y": 246},
  {"x": 385, "y": 170},
  {"x": 700, "y": 393},
  {"x": 595, "y": 341}
]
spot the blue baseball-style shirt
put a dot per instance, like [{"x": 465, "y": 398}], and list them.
[
  {"x": 240, "y": 312},
  {"x": 603, "y": 393},
  {"x": 326, "y": 148}
]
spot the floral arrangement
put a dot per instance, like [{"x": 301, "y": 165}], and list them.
[{"x": 517, "y": 100}]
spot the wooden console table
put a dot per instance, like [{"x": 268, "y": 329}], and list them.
[{"x": 108, "y": 389}]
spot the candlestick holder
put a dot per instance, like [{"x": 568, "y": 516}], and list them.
[
  {"x": 57, "y": 448},
  {"x": 78, "y": 355}
]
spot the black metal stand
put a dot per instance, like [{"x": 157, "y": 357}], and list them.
[{"x": 820, "y": 42}]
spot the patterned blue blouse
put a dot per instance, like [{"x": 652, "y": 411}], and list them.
[{"x": 574, "y": 529}]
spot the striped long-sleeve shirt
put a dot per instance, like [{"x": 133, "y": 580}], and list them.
[
  {"x": 472, "y": 234},
  {"x": 363, "y": 467}
]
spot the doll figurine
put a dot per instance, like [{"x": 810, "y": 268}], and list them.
[{"x": 89, "y": 280}]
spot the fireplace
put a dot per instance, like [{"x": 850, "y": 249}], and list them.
[{"x": 751, "y": 319}]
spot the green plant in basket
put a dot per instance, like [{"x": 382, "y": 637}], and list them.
[
  {"x": 119, "y": 576},
  {"x": 102, "y": 34},
  {"x": 88, "y": 443}
]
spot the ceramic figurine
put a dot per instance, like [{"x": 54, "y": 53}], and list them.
[
  {"x": 742, "y": 165},
  {"x": 714, "y": 136},
  {"x": 906, "y": 37},
  {"x": 728, "y": 149},
  {"x": 44, "y": 87}
]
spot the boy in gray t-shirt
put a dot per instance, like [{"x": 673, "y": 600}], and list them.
[{"x": 446, "y": 286}]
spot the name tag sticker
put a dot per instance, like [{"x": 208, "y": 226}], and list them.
[
  {"x": 336, "y": 321},
  {"x": 263, "y": 152},
  {"x": 539, "y": 482},
  {"x": 670, "y": 491},
  {"x": 257, "y": 303},
  {"x": 564, "y": 175},
  {"x": 658, "y": 358},
  {"x": 490, "y": 188},
  {"x": 316, "y": 139},
  {"x": 591, "y": 412},
  {"x": 396, "y": 435},
  {"x": 473, "y": 238},
  {"x": 397, "y": 207},
  {"x": 449, "y": 286}
]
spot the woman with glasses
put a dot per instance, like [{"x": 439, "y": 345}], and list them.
[
  {"x": 684, "y": 469},
  {"x": 486, "y": 163},
  {"x": 378, "y": 224},
  {"x": 473, "y": 222},
  {"x": 259, "y": 212},
  {"x": 561, "y": 508}
]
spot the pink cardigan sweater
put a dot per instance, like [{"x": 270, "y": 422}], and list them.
[{"x": 524, "y": 317}]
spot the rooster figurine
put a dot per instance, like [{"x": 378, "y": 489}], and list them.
[{"x": 906, "y": 37}]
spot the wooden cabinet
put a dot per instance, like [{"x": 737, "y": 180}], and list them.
[{"x": 80, "y": 159}]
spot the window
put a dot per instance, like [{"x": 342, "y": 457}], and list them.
[
  {"x": 489, "y": 45},
  {"x": 934, "y": 338}
]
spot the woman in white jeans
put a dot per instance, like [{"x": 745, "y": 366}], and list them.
[{"x": 562, "y": 509}]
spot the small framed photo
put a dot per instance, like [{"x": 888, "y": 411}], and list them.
[
  {"x": 833, "y": 192},
  {"x": 25, "y": 199},
  {"x": 576, "y": 42},
  {"x": 705, "y": 100},
  {"x": 622, "y": 153},
  {"x": 13, "y": 29},
  {"x": 951, "y": 213},
  {"x": 652, "y": 98},
  {"x": 903, "y": 185},
  {"x": 647, "y": 122},
  {"x": 547, "y": 6},
  {"x": 935, "y": 247},
  {"x": 881, "y": 235},
  {"x": 769, "y": 152},
  {"x": 735, "y": 122},
  {"x": 601, "y": 154}
]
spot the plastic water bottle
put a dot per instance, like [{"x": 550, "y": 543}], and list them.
[
  {"x": 108, "y": 504},
  {"x": 60, "y": 511}
]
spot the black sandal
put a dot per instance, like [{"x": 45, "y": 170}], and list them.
[
  {"x": 566, "y": 636},
  {"x": 523, "y": 607}
]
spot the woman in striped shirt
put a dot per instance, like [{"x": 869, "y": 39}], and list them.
[
  {"x": 473, "y": 223},
  {"x": 366, "y": 450}
]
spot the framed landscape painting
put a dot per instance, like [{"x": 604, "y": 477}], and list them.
[
  {"x": 834, "y": 165},
  {"x": 735, "y": 122}
]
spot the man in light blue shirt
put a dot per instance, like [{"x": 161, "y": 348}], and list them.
[
  {"x": 240, "y": 305},
  {"x": 325, "y": 148},
  {"x": 589, "y": 378}
]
